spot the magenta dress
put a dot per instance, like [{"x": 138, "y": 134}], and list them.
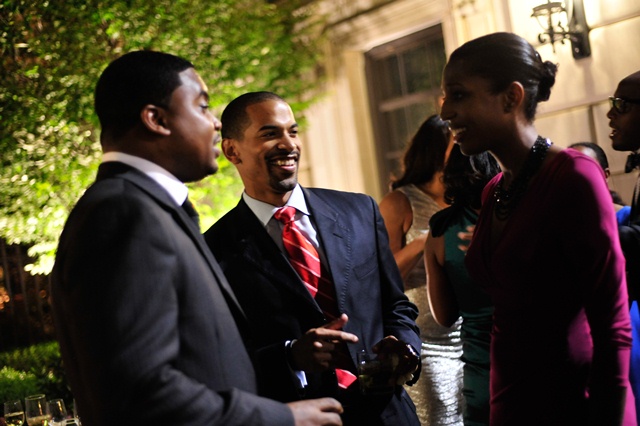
[{"x": 557, "y": 280}]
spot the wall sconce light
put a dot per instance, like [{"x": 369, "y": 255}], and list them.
[
  {"x": 570, "y": 24},
  {"x": 466, "y": 7}
]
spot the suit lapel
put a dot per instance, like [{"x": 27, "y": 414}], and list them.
[
  {"x": 259, "y": 249},
  {"x": 111, "y": 169},
  {"x": 336, "y": 241}
]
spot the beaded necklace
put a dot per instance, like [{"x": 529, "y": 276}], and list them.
[{"x": 508, "y": 199}]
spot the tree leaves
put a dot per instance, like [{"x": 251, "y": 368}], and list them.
[{"x": 51, "y": 54}]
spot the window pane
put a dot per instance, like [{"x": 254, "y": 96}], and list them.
[
  {"x": 417, "y": 68},
  {"x": 437, "y": 61},
  {"x": 396, "y": 123},
  {"x": 417, "y": 114},
  {"x": 423, "y": 66},
  {"x": 401, "y": 125},
  {"x": 390, "y": 86},
  {"x": 404, "y": 85}
]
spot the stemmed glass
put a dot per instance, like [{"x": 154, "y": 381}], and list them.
[
  {"x": 13, "y": 413},
  {"x": 58, "y": 411},
  {"x": 36, "y": 410}
]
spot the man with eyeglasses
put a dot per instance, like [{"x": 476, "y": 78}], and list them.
[{"x": 624, "y": 120}]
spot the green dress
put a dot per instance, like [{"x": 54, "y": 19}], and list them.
[{"x": 475, "y": 309}]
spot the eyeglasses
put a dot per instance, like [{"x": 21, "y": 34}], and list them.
[{"x": 622, "y": 105}]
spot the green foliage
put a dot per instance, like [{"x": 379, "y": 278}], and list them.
[
  {"x": 216, "y": 195},
  {"x": 16, "y": 384},
  {"x": 32, "y": 370},
  {"x": 51, "y": 54}
]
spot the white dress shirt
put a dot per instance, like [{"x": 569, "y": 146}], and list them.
[
  {"x": 176, "y": 189},
  {"x": 265, "y": 211}
]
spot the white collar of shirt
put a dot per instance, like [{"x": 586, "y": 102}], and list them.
[
  {"x": 264, "y": 211},
  {"x": 176, "y": 189}
]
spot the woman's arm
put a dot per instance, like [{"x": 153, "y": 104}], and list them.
[
  {"x": 442, "y": 300},
  {"x": 398, "y": 217},
  {"x": 599, "y": 267}
]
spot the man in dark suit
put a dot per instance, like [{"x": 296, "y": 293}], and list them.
[
  {"x": 145, "y": 318},
  {"x": 624, "y": 116},
  {"x": 306, "y": 347}
]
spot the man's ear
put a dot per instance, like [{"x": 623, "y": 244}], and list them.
[
  {"x": 229, "y": 150},
  {"x": 154, "y": 119},
  {"x": 513, "y": 96}
]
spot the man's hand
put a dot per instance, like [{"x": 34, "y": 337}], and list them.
[
  {"x": 316, "y": 412},
  {"x": 322, "y": 348},
  {"x": 404, "y": 358}
]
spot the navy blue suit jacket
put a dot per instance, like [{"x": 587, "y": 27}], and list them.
[{"x": 368, "y": 286}]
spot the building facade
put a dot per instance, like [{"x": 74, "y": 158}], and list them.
[{"x": 382, "y": 70}]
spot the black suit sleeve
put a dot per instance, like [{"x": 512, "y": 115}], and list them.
[
  {"x": 142, "y": 328},
  {"x": 630, "y": 243},
  {"x": 400, "y": 314}
]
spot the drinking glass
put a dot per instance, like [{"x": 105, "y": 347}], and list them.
[
  {"x": 375, "y": 374},
  {"x": 36, "y": 410},
  {"x": 13, "y": 413},
  {"x": 58, "y": 411}
]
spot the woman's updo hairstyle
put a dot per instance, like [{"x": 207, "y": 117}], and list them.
[{"x": 502, "y": 58}]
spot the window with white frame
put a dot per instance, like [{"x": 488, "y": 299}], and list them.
[{"x": 404, "y": 89}]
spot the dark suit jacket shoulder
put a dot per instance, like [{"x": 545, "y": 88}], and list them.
[
  {"x": 145, "y": 319},
  {"x": 630, "y": 243}
]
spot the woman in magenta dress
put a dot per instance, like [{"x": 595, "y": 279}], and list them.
[{"x": 545, "y": 248}]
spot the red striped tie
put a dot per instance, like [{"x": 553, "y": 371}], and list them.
[{"x": 305, "y": 260}]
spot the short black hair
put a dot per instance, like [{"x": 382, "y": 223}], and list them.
[
  {"x": 132, "y": 81},
  {"x": 235, "y": 119},
  {"x": 601, "y": 156}
]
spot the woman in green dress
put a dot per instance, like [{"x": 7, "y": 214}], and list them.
[{"x": 452, "y": 294}]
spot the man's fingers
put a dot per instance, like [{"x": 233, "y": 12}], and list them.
[
  {"x": 324, "y": 411},
  {"x": 337, "y": 323},
  {"x": 330, "y": 405},
  {"x": 324, "y": 345},
  {"x": 335, "y": 335},
  {"x": 386, "y": 344},
  {"x": 333, "y": 330}
]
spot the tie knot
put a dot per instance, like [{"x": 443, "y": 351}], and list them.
[{"x": 285, "y": 214}]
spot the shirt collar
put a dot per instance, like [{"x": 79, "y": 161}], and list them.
[
  {"x": 264, "y": 211},
  {"x": 176, "y": 189}
]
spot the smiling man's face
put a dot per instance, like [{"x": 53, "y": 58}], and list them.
[{"x": 267, "y": 156}]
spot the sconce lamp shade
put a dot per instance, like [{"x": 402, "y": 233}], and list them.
[
  {"x": 546, "y": 11},
  {"x": 558, "y": 24}
]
